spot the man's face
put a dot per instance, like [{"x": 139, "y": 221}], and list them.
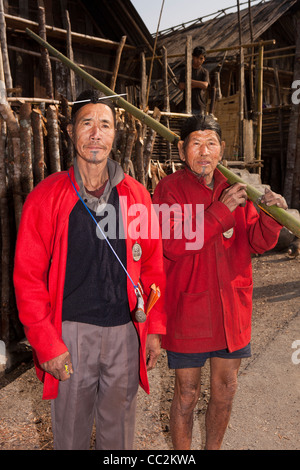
[
  {"x": 93, "y": 132},
  {"x": 202, "y": 152},
  {"x": 197, "y": 61}
]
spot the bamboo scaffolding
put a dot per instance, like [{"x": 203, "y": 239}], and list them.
[{"x": 277, "y": 213}]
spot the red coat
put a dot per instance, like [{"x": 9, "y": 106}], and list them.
[
  {"x": 208, "y": 296},
  {"x": 40, "y": 262}
]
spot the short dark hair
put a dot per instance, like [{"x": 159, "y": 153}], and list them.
[
  {"x": 199, "y": 50},
  {"x": 92, "y": 96},
  {"x": 200, "y": 122}
]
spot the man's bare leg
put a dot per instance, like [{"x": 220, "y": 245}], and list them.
[
  {"x": 223, "y": 387},
  {"x": 186, "y": 394}
]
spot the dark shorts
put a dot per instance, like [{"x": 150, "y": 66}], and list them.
[{"x": 178, "y": 360}]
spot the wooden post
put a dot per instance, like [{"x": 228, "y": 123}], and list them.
[
  {"x": 5, "y": 240},
  {"x": 117, "y": 63},
  {"x": 45, "y": 60},
  {"x": 25, "y": 146},
  {"x": 53, "y": 139},
  {"x": 143, "y": 92},
  {"x": 280, "y": 125},
  {"x": 70, "y": 56},
  {"x": 166, "y": 98},
  {"x": 259, "y": 105},
  {"x": 3, "y": 41},
  {"x": 188, "y": 75},
  {"x": 293, "y": 153}
]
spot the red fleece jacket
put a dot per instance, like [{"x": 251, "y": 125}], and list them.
[
  {"x": 208, "y": 296},
  {"x": 40, "y": 262}
]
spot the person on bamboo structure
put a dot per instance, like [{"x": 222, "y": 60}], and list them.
[
  {"x": 76, "y": 287},
  {"x": 208, "y": 296},
  {"x": 200, "y": 81}
]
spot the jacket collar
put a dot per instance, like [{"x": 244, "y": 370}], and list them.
[{"x": 115, "y": 176}]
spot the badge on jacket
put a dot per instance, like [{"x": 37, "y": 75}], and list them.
[
  {"x": 136, "y": 251},
  {"x": 228, "y": 233}
]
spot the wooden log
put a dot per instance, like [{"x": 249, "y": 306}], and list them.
[
  {"x": 38, "y": 145},
  {"x": 53, "y": 139},
  {"x": 14, "y": 138},
  {"x": 117, "y": 63},
  {"x": 45, "y": 60},
  {"x": 5, "y": 240},
  {"x": 25, "y": 147},
  {"x": 150, "y": 140},
  {"x": 67, "y": 146},
  {"x": 139, "y": 154},
  {"x": 131, "y": 136}
]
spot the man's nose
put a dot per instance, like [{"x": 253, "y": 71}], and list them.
[
  {"x": 95, "y": 132},
  {"x": 204, "y": 148}
]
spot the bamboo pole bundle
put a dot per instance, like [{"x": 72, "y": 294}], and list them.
[{"x": 279, "y": 214}]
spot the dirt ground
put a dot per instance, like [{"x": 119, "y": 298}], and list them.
[{"x": 266, "y": 408}]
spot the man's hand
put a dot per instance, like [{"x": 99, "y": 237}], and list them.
[
  {"x": 234, "y": 196},
  {"x": 60, "y": 367},
  {"x": 152, "y": 350},
  {"x": 273, "y": 199}
]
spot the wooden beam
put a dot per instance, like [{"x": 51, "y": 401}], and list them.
[{"x": 21, "y": 24}]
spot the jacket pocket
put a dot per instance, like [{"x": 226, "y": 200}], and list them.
[
  {"x": 243, "y": 301},
  {"x": 193, "y": 316}
]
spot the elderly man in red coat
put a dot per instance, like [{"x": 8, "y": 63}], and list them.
[
  {"x": 208, "y": 296},
  {"x": 76, "y": 289}
]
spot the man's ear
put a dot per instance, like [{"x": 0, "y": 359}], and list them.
[
  {"x": 222, "y": 150},
  {"x": 181, "y": 150},
  {"x": 70, "y": 131}
]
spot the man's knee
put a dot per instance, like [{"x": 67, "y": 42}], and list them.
[{"x": 186, "y": 396}]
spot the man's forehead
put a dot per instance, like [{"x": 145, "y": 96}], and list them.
[
  {"x": 207, "y": 133},
  {"x": 94, "y": 110}
]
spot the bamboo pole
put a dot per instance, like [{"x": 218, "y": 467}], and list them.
[{"x": 277, "y": 213}]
